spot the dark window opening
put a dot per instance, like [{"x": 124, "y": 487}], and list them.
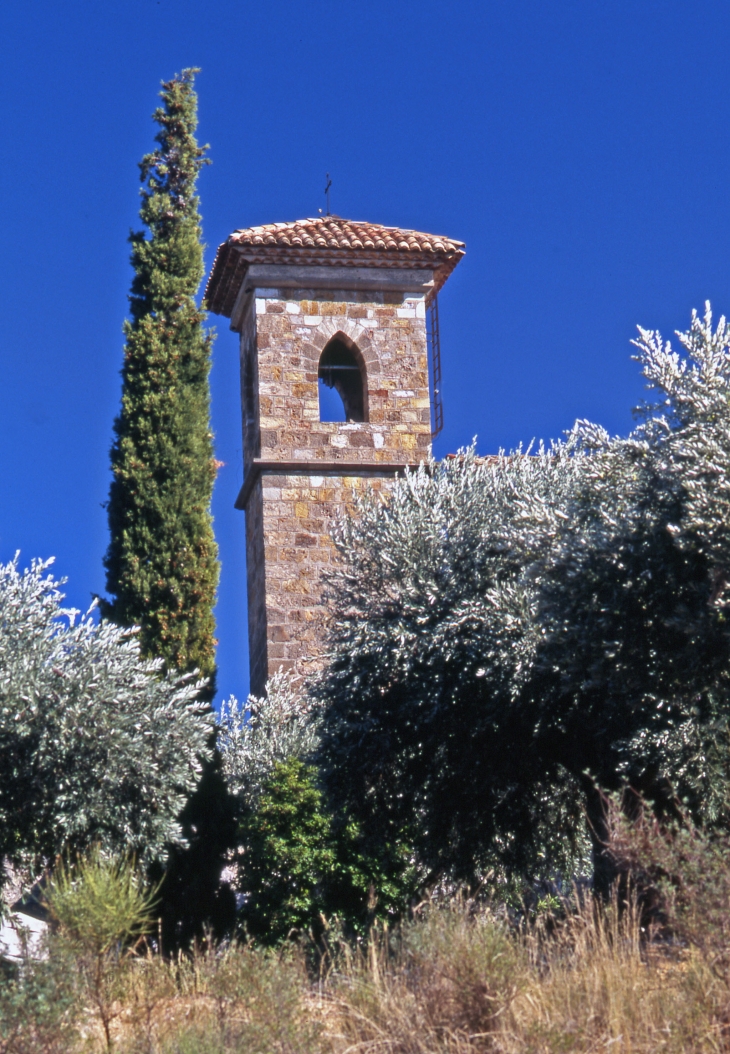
[
  {"x": 250, "y": 423},
  {"x": 341, "y": 368}
]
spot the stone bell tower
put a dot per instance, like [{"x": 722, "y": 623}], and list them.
[{"x": 320, "y": 304}]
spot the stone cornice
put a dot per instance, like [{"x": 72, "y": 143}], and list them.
[{"x": 271, "y": 467}]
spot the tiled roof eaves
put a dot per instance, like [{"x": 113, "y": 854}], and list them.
[
  {"x": 326, "y": 241},
  {"x": 224, "y": 281}
]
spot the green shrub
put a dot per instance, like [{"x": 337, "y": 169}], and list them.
[
  {"x": 302, "y": 871},
  {"x": 38, "y": 1007},
  {"x": 288, "y": 855}
]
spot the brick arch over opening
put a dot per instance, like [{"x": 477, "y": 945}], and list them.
[
  {"x": 329, "y": 328},
  {"x": 342, "y": 366}
]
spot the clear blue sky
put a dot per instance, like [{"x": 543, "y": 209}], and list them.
[{"x": 580, "y": 149}]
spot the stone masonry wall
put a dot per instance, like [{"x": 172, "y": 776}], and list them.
[{"x": 281, "y": 344}]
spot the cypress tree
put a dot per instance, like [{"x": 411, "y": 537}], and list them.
[{"x": 162, "y": 566}]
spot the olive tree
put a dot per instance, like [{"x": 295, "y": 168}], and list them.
[
  {"x": 255, "y": 736},
  {"x": 97, "y": 744},
  {"x": 510, "y": 634}
]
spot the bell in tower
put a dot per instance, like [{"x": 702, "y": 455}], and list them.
[{"x": 334, "y": 346}]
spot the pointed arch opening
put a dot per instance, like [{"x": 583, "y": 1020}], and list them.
[{"x": 342, "y": 370}]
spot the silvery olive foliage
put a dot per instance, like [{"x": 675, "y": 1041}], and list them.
[
  {"x": 255, "y": 736},
  {"x": 510, "y": 633},
  {"x": 96, "y": 743}
]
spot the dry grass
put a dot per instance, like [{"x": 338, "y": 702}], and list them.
[
  {"x": 599, "y": 986},
  {"x": 454, "y": 982},
  {"x": 467, "y": 985},
  {"x": 220, "y": 1000}
]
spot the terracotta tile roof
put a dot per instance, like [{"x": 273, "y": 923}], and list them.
[
  {"x": 322, "y": 241},
  {"x": 331, "y": 232}
]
